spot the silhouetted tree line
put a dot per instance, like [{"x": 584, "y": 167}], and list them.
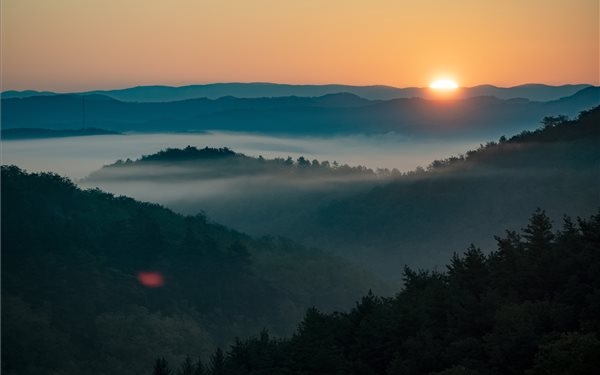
[
  {"x": 554, "y": 129},
  {"x": 529, "y": 307},
  {"x": 301, "y": 165}
]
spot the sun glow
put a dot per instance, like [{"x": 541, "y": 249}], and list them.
[{"x": 444, "y": 84}]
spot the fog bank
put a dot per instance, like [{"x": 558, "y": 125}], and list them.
[{"x": 76, "y": 157}]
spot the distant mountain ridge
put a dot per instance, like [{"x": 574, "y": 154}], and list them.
[
  {"x": 534, "y": 92},
  {"x": 35, "y": 133},
  {"x": 328, "y": 114}
]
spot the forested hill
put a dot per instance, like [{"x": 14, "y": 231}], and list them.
[
  {"x": 466, "y": 197},
  {"x": 97, "y": 284},
  {"x": 192, "y": 163},
  {"x": 529, "y": 307},
  {"x": 555, "y": 130}
]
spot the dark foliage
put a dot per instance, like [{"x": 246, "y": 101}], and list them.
[
  {"x": 209, "y": 162},
  {"x": 161, "y": 367},
  {"x": 529, "y": 307},
  {"x": 73, "y": 300}
]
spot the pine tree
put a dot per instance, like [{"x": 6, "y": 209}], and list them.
[
  {"x": 199, "y": 368},
  {"x": 217, "y": 363},
  {"x": 187, "y": 367},
  {"x": 161, "y": 367},
  {"x": 538, "y": 233}
]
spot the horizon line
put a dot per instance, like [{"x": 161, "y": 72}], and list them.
[{"x": 291, "y": 84}]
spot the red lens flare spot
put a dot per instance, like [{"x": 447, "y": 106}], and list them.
[{"x": 151, "y": 279}]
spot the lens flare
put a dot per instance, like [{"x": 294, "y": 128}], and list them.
[{"x": 151, "y": 279}]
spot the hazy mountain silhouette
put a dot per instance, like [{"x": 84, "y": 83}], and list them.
[
  {"x": 35, "y": 133},
  {"x": 536, "y": 92},
  {"x": 328, "y": 114},
  {"x": 25, "y": 93}
]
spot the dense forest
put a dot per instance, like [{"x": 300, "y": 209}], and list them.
[
  {"x": 528, "y": 307},
  {"x": 76, "y": 296}
]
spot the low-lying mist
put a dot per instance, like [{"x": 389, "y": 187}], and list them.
[
  {"x": 255, "y": 195},
  {"x": 76, "y": 157}
]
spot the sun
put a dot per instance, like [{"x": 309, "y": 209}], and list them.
[{"x": 444, "y": 84}]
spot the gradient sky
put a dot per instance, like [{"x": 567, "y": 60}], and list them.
[{"x": 73, "y": 45}]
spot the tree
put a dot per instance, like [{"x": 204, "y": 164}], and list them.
[
  {"x": 571, "y": 353},
  {"x": 470, "y": 271},
  {"x": 199, "y": 368},
  {"x": 538, "y": 233},
  {"x": 161, "y": 367},
  {"x": 552, "y": 121},
  {"x": 217, "y": 363},
  {"x": 187, "y": 367}
]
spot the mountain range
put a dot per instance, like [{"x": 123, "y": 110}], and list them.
[
  {"x": 535, "y": 92},
  {"x": 341, "y": 113}
]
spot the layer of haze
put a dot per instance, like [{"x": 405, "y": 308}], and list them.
[
  {"x": 72, "y": 45},
  {"x": 76, "y": 157}
]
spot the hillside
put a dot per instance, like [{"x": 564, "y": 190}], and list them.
[
  {"x": 254, "y": 194},
  {"x": 529, "y": 307},
  {"x": 191, "y": 163},
  {"x": 93, "y": 283},
  {"x": 467, "y": 196}
]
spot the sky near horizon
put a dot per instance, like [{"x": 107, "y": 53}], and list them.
[{"x": 77, "y": 45}]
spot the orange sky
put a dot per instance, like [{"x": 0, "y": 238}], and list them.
[{"x": 71, "y": 45}]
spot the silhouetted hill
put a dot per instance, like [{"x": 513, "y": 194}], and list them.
[
  {"x": 75, "y": 264},
  {"x": 191, "y": 164},
  {"x": 34, "y": 133},
  {"x": 24, "y": 93},
  {"x": 329, "y": 114},
  {"x": 535, "y": 92}
]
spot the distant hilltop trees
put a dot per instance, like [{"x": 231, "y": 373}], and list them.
[{"x": 231, "y": 161}]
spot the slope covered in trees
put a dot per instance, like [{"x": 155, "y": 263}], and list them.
[
  {"x": 252, "y": 194},
  {"x": 528, "y": 307},
  {"x": 423, "y": 216},
  {"x": 191, "y": 163},
  {"x": 80, "y": 271}
]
